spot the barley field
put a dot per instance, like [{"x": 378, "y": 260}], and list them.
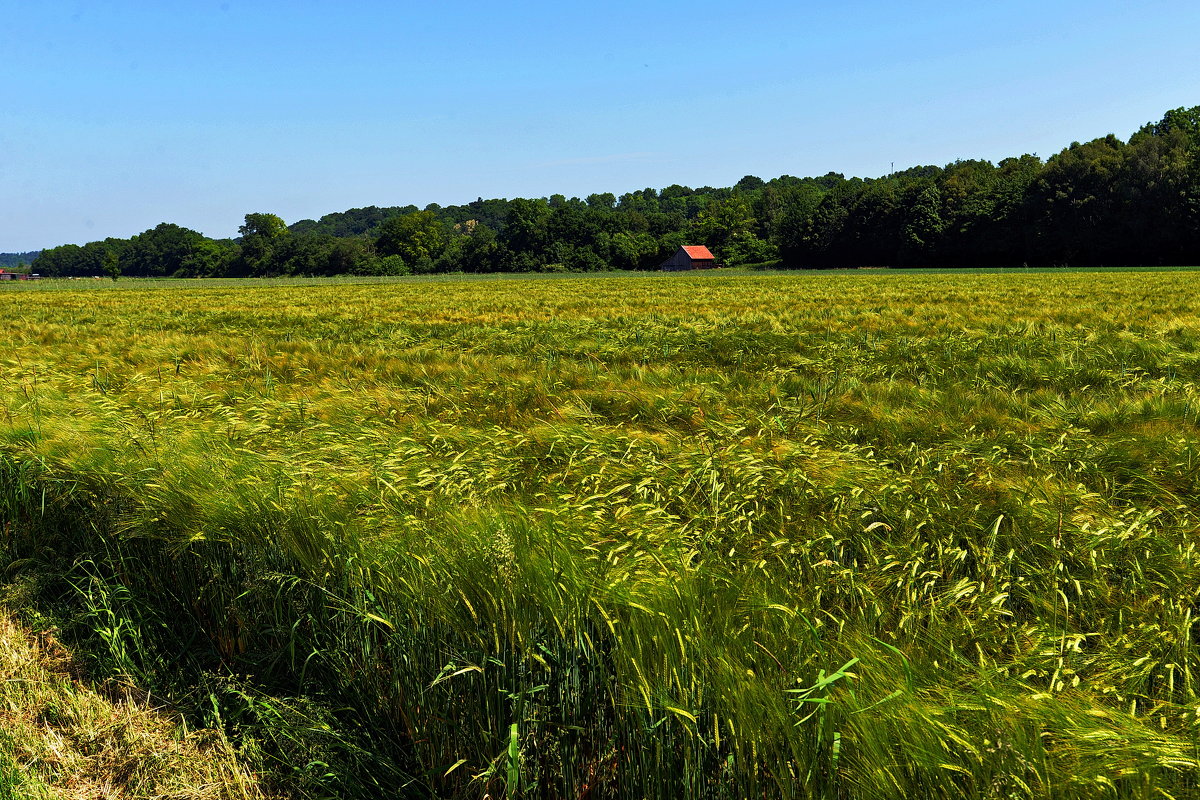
[{"x": 822, "y": 535}]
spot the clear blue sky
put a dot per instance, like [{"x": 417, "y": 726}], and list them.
[{"x": 115, "y": 116}]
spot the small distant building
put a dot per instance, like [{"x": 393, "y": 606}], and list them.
[
  {"x": 690, "y": 257},
  {"x": 9, "y": 275}
]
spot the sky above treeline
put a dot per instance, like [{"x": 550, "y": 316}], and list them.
[{"x": 116, "y": 116}]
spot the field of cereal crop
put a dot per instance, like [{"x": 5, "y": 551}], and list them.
[{"x": 827, "y": 535}]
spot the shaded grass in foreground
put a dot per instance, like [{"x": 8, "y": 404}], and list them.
[{"x": 59, "y": 739}]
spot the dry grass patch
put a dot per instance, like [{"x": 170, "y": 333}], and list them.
[{"x": 61, "y": 739}]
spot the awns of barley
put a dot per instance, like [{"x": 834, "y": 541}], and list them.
[{"x": 751, "y": 537}]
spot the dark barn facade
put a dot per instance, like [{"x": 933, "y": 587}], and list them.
[{"x": 690, "y": 257}]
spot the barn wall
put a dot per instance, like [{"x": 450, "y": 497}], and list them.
[{"x": 679, "y": 261}]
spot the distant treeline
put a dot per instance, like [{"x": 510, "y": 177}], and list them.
[
  {"x": 15, "y": 260},
  {"x": 1107, "y": 202}
]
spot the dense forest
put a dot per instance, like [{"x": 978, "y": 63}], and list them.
[
  {"x": 17, "y": 260},
  {"x": 1106, "y": 202}
]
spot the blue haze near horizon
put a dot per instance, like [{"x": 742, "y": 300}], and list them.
[{"x": 116, "y": 116}]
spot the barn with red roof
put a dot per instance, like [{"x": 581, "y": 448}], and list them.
[{"x": 690, "y": 257}]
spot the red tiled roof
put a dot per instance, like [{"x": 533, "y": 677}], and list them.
[{"x": 698, "y": 251}]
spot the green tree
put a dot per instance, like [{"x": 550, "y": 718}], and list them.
[
  {"x": 525, "y": 233},
  {"x": 731, "y": 230},
  {"x": 170, "y": 249},
  {"x": 64, "y": 261},
  {"x": 793, "y": 220},
  {"x": 418, "y": 238},
  {"x": 347, "y": 255},
  {"x": 262, "y": 235},
  {"x": 923, "y": 226},
  {"x": 478, "y": 249},
  {"x": 266, "y": 226},
  {"x": 1077, "y": 205},
  {"x": 112, "y": 265},
  {"x": 1184, "y": 120},
  {"x": 750, "y": 183},
  {"x": 605, "y": 200}
]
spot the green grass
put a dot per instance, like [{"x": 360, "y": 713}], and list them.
[
  {"x": 772, "y": 268},
  {"x": 15, "y": 784},
  {"x": 834, "y": 535}
]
